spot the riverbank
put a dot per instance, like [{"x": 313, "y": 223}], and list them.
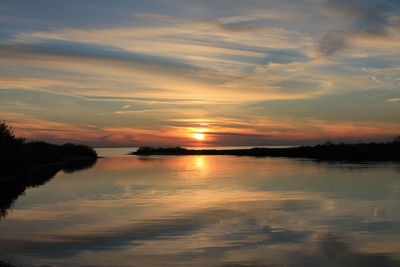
[
  {"x": 18, "y": 157},
  {"x": 347, "y": 152},
  {"x": 21, "y": 158},
  {"x": 5, "y": 264}
]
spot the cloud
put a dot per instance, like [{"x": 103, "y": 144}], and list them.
[
  {"x": 330, "y": 43},
  {"x": 229, "y": 25},
  {"x": 365, "y": 19},
  {"x": 392, "y": 100},
  {"x": 371, "y": 17},
  {"x": 140, "y": 74},
  {"x": 207, "y": 60},
  {"x": 292, "y": 9},
  {"x": 150, "y": 74}
]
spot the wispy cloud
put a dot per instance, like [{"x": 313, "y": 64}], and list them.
[
  {"x": 391, "y": 100},
  {"x": 152, "y": 72},
  {"x": 365, "y": 19}
]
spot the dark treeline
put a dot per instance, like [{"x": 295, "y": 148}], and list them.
[
  {"x": 5, "y": 264},
  {"x": 327, "y": 151},
  {"x": 17, "y": 155}
]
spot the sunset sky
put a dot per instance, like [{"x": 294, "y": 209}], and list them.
[{"x": 200, "y": 72}]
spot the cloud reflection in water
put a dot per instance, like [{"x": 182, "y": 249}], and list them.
[{"x": 209, "y": 211}]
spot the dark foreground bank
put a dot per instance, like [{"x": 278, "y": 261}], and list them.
[
  {"x": 6, "y": 264},
  {"x": 350, "y": 152},
  {"x": 18, "y": 156}
]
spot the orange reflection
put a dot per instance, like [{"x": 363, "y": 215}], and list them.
[{"x": 200, "y": 162}]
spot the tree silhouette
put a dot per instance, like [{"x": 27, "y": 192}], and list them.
[
  {"x": 6, "y": 132},
  {"x": 5, "y": 264}
]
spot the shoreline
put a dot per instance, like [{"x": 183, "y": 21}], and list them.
[{"x": 334, "y": 152}]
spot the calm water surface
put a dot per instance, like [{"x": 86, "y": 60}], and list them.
[{"x": 208, "y": 211}]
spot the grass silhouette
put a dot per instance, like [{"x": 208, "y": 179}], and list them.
[{"x": 17, "y": 155}]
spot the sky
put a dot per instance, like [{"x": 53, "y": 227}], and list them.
[{"x": 200, "y": 72}]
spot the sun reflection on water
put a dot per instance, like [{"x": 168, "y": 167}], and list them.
[{"x": 221, "y": 208}]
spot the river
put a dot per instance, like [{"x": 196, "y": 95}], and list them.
[{"x": 208, "y": 211}]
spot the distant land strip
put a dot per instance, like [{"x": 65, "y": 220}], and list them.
[{"x": 339, "y": 152}]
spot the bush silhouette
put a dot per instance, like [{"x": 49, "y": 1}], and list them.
[
  {"x": 6, "y": 133},
  {"x": 16, "y": 155}
]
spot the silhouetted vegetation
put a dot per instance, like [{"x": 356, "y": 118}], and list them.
[
  {"x": 327, "y": 151},
  {"x": 17, "y": 155},
  {"x": 6, "y": 264}
]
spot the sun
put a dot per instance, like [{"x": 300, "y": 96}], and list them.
[{"x": 199, "y": 136}]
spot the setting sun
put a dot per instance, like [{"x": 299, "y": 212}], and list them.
[{"x": 199, "y": 136}]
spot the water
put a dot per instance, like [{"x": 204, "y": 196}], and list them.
[
  {"x": 208, "y": 211},
  {"x": 125, "y": 151}
]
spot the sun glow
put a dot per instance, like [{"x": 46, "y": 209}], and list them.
[{"x": 199, "y": 136}]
